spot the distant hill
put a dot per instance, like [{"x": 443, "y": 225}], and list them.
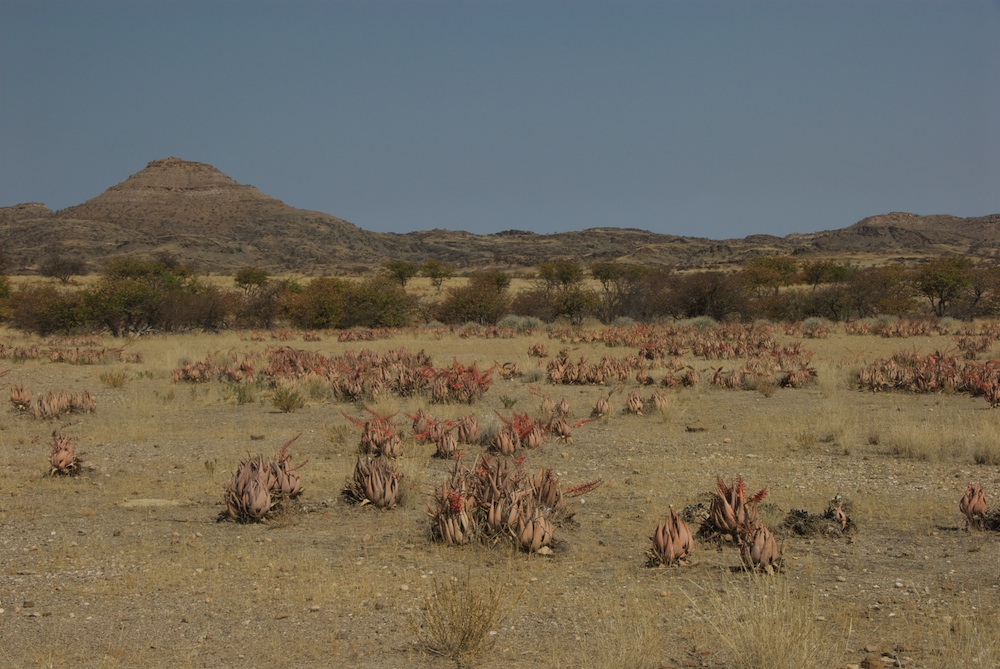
[{"x": 198, "y": 214}]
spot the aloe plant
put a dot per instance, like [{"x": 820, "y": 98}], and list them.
[{"x": 672, "y": 541}]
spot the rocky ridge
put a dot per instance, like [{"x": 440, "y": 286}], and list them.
[{"x": 198, "y": 214}]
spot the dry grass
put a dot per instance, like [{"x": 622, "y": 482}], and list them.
[
  {"x": 462, "y": 617},
  {"x": 770, "y": 623}
]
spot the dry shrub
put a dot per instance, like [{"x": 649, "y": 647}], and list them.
[
  {"x": 115, "y": 379},
  {"x": 767, "y": 623},
  {"x": 460, "y": 617},
  {"x": 287, "y": 399}
]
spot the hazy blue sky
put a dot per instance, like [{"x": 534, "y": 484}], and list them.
[{"x": 705, "y": 118}]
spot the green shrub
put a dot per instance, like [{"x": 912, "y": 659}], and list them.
[
  {"x": 287, "y": 399},
  {"x": 47, "y": 310},
  {"x": 483, "y": 300}
]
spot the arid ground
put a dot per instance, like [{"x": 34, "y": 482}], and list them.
[{"x": 127, "y": 564}]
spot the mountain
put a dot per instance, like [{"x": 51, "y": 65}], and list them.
[{"x": 197, "y": 214}]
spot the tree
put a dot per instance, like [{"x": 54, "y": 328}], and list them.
[
  {"x": 880, "y": 291},
  {"x": 320, "y": 304},
  {"x": 718, "y": 295},
  {"x": 815, "y": 272},
  {"x": 251, "y": 279},
  {"x": 45, "y": 310},
  {"x": 942, "y": 280},
  {"x": 62, "y": 267},
  {"x": 377, "y": 302},
  {"x": 437, "y": 272},
  {"x": 560, "y": 273},
  {"x": 4, "y": 283},
  {"x": 983, "y": 290},
  {"x": 621, "y": 285},
  {"x": 402, "y": 270},
  {"x": 131, "y": 293},
  {"x": 765, "y": 274}
]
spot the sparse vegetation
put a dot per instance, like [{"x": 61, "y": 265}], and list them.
[{"x": 155, "y": 454}]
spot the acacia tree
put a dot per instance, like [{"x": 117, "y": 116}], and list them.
[
  {"x": 437, "y": 272},
  {"x": 983, "y": 290},
  {"x": 943, "y": 280},
  {"x": 62, "y": 267},
  {"x": 561, "y": 286},
  {"x": 251, "y": 279},
  {"x": 402, "y": 270},
  {"x": 766, "y": 274},
  {"x": 620, "y": 284},
  {"x": 881, "y": 290}
]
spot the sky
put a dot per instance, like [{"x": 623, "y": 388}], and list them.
[{"x": 705, "y": 118}]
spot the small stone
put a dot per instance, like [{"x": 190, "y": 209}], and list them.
[{"x": 404, "y": 587}]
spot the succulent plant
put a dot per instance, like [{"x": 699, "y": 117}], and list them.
[
  {"x": 563, "y": 407},
  {"x": 446, "y": 445},
  {"x": 534, "y": 531},
  {"x": 62, "y": 459},
  {"x": 731, "y": 512},
  {"x": 468, "y": 430},
  {"x": 378, "y": 436},
  {"x": 20, "y": 398},
  {"x": 248, "y": 495},
  {"x": 602, "y": 407},
  {"x": 659, "y": 400},
  {"x": 287, "y": 481},
  {"x": 561, "y": 429},
  {"x": 759, "y": 550},
  {"x": 546, "y": 491},
  {"x": 506, "y": 441},
  {"x": 422, "y": 422},
  {"x": 453, "y": 517},
  {"x": 375, "y": 481},
  {"x": 672, "y": 541},
  {"x": 633, "y": 404},
  {"x": 973, "y": 504}
]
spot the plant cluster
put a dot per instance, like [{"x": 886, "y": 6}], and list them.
[
  {"x": 376, "y": 479},
  {"x": 497, "y": 501},
  {"x": 259, "y": 485},
  {"x": 351, "y": 376},
  {"x": 52, "y": 404},
  {"x": 733, "y": 518},
  {"x": 935, "y": 372}
]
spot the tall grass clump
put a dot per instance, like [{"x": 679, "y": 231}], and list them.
[
  {"x": 460, "y": 618},
  {"x": 763, "y": 622}
]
